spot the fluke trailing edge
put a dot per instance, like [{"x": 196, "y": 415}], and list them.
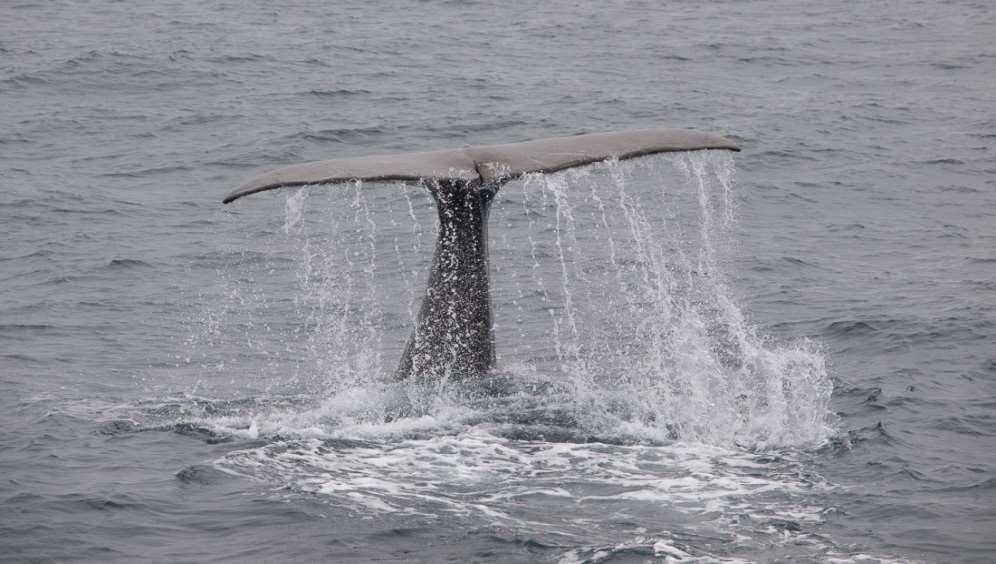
[{"x": 453, "y": 337}]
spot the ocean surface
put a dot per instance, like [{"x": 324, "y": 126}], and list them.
[{"x": 786, "y": 354}]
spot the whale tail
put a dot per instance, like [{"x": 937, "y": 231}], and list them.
[{"x": 453, "y": 335}]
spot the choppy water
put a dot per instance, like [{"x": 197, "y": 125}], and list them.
[{"x": 783, "y": 356}]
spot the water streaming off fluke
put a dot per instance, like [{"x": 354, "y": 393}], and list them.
[{"x": 613, "y": 308}]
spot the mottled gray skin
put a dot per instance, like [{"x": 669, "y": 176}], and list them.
[{"x": 452, "y": 337}]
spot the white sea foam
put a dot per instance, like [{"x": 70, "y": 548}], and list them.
[{"x": 559, "y": 489}]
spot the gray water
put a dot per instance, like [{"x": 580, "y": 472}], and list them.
[{"x": 783, "y": 355}]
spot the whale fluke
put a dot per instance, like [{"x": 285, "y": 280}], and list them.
[
  {"x": 453, "y": 335},
  {"x": 487, "y": 164}
]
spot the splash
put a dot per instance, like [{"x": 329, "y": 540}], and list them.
[
  {"x": 613, "y": 310},
  {"x": 645, "y": 327}
]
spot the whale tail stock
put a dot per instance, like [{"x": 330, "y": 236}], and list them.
[{"x": 453, "y": 335}]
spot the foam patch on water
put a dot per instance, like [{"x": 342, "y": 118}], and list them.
[
  {"x": 462, "y": 471},
  {"x": 597, "y": 502},
  {"x": 736, "y": 499}
]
